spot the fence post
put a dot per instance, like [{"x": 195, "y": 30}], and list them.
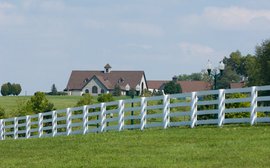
[
  {"x": 102, "y": 117},
  {"x": 121, "y": 122},
  {"x": 254, "y": 104},
  {"x": 85, "y": 119},
  {"x": 166, "y": 111},
  {"x": 143, "y": 113},
  {"x": 1, "y": 129},
  {"x": 68, "y": 121},
  {"x": 40, "y": 125},
  {"x": 221, "y": 107},
  {"x": 15, "y": 128},
  {"x": 28, "y": 126},
  {"x": 54, "y": 123},
  {"x": 193, "y": 115}
]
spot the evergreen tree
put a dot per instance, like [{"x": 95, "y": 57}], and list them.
[
  {"x": 117, "y": 90},
  {"x": 54, "y": 90}
]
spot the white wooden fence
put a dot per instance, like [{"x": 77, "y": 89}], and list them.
[{"x": 187, "y": 109}]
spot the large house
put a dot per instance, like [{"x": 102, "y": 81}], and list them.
[{"x": 98, "y": 82}]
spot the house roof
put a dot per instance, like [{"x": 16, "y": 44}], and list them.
[
  {"x": 187, "y": 86},
  {"x": 236, "y": 85},
  {"x": 78, "y": 79}
]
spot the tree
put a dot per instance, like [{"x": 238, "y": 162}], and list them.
[
  {"x": 39, "y": 103},
  {"x": 54, "y": 90},
  {"x": 117, "y": 90},
  {"x": 5, "y": 90},
  {"x": 172, "y": 87},
  {"x": 263, "y": 58},
  {"x": 11, "y": 89},
  {"x": 16, "y": 89},
  {"x": 228, "y": 76},
  {"x": 191, "y": 77}
]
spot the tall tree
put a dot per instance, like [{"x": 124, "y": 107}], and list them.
[
  {"x": 54, "y": 90},
  {"x": 263, "y": 58}
]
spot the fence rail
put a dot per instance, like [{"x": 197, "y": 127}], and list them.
[{"x": 215, "y": 107}]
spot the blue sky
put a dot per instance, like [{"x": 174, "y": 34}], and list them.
[{"x": 42, "y": 41}]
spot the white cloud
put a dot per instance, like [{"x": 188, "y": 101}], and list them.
[
  {"x": 232, "y": 18},
  {"x": 144, "y": 29}
]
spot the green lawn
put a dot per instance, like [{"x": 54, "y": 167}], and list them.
[{"x": 231, "y": 146}]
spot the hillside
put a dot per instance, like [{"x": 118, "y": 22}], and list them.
[{"x": 175, "y": 147}]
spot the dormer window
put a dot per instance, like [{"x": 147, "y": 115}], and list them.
[
  {"x": 107, "y": 68},
  {"x": 121, "y": 80}
]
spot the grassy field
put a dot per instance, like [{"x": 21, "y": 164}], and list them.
[
  {"x": 175, "y": 147},
  {"x": 11, "y": 103}
]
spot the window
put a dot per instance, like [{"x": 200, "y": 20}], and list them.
[
  {"x": 94, "y": 90},
  {"x": 102, "y": 91},
  {"x": 86, "y": 90}
]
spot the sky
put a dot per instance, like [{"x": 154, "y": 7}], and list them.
[{"x": 42, "y": 41}]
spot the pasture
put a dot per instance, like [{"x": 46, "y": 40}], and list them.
[
  {"x": 230, "y": 146},
  {"x": 11, "y": 103}
]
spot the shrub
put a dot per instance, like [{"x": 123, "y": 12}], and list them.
[
  {"x": 86, "y": 99},
  {"x": 105, "y": 98}
]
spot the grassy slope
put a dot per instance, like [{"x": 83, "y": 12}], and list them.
[{"x": 174, "y": 147}]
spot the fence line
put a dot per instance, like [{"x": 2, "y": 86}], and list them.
[{"x": 215, "y": 107}]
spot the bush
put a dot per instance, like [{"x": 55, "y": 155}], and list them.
[
  {"x": 37, "y": 104},
  {"x": 105, "y": 98},
  {"x": 86, "y": 99}
]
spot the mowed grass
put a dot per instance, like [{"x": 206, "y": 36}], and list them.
[
  {"x": 231, "y": 146},
  {"x": 11, "y": 103}
]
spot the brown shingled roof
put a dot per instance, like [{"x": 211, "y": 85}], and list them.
[
  {"x": 235, "y": 85},
  {"x": 78, "y": 79},
  {"x": 187, "y": 86}
]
